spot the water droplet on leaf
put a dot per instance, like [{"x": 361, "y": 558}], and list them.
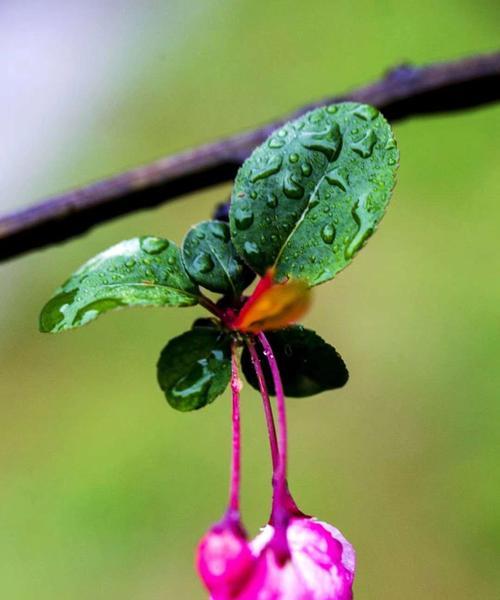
[
  {"x": 220, "y": 231},
  {"x": 273, "y": 166},
  {"x": 243, "y": 218},
  {"x": 328, "y": 141},
  {"x": 203, "y": 263},
  {"x": 153, "y": 245},
  {"x": 292, "y": 188},
  {"x": 272, "y": 201},
  {"x": 306, "y": 169},
  {"x": 338, "y": 178},
  {"x": 366, "y": 112},
  {"x": 365, "y": 146},
  {"x": 364, "y": 222},
  {"x": 251, "y": 249}
]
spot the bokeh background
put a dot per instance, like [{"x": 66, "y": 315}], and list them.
[{"x": 104, "y": 490}]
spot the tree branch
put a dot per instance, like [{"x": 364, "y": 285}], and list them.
[{"x": 405, "y": 91}]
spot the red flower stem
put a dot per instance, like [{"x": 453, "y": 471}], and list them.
[
  {"x": 271, "y": 429},
  {"x": 234, "y": 492},
  {"x": 283, "y": 505},
  {"x": 212, "y": 307},
  {"x": 281, "y": 410}
]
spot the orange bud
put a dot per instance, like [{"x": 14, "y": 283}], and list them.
[{"x": 273, "y": 305}]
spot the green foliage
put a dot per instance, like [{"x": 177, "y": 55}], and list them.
[
  {"x": 211, "y": 260},
  {"x": 304, "y": 202},
  {"x": 309, "y": 197},
  {"x": 195, "y": 367},
  {"x": 143, "y": 271},
  {"x": 308, "y": 365}
]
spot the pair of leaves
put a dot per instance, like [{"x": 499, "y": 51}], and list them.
[
  {"x": 145, "y": 271},
  {"x": 195, "y": 367},
  {"x": 149, "y": 271}
]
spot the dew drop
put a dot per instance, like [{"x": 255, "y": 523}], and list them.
[
  {"x": 54, "y": 311},
  {"x": 192, "y": 389},
  {"x": 251, "y": 249},
  {"x": 276, "y": 143},
  {"x": 328, "y": 141},
  {"x": 365, "y": 146},
  {"x": 253, "y": 195},
  {"x": 293, "y": 158},
  {"x": 292, "y": 188},
  {"x": 270, "y": 168},
  {"x": 316, "y": 116},
  {"x": 366, "y": 112},
  {"x": 130, "y": 263},
  {"x": 338, "y": 178},
  {"x": 203, "y": 263},
  {"x": 243, "y": 218},
  {"x": 306, "y": 169},
  {"x": 220, "y": 231},
  {"x": 94, "y": 309},
  {"x": 272, "y": 201},
  {"x": 365, "y": 227},
  {"x": 153, "y": 245}
]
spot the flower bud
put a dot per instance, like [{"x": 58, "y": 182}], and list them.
[
  {"x": 224, "y": 562},
  {"x": 321, "y": 565}
]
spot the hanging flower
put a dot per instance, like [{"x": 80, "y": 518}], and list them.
[
  {"x": 225, "y": 561},
  {"x": 320, "y": 567}
]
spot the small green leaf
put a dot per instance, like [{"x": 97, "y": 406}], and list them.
[
  {"x": 195, "y": 367},
  {"x": 309, "y": 197},
  {"x": 211, "y": 260},
  {"x": 145, "y": 271},
  {"x": 308, "y": 365}
]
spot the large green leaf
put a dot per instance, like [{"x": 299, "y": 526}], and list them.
[
  {"x": 308, "y": 365},
  {"x": 145, "y": 271},
  {"x": 211, "y": 260},
  {"x": 195, "y": 367},
  {"x": 308, "y": 198}
]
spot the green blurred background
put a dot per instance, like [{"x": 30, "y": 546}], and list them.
[{"x": 104, "y": 490}]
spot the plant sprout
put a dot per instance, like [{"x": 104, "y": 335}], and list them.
[{"x": 302, "y": 206}]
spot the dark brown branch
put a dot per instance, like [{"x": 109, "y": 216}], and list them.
[{"x": 405, "y": 91}]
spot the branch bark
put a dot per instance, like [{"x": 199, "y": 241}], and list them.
[{"x": 404, "y": 91}]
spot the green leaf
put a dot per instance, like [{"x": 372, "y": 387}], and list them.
[
  {"x": 145, "y": 271},
  {"x": 307, "y": 199},
  {"x": 211, "y": 260},
  {"x": 195, "y": 367},
  {"x": 308, "y": 365}
]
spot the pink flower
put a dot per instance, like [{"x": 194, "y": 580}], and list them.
[
  {"x": 321, "y": 565},
  {"x": 225, "y": 561}
]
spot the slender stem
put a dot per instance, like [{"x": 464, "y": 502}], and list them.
[
  {"x": 281, "y": 409},
  {"x": 211, "y": 307},
  {"x": 235, "y": 485},
  {"x": 283, "y": 504},
  {"x": 271, "y": 429}
]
